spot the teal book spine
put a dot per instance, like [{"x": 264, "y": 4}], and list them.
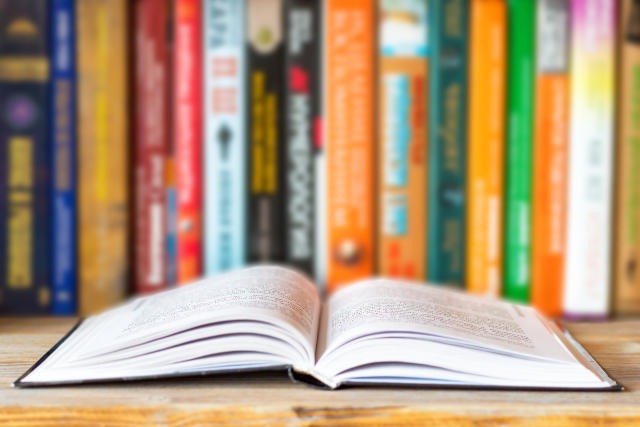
[
  {"x": 519, "y": 150},
  {"x": 448, "y": 32}
]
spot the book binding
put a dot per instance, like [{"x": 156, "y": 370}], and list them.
[
  {"x": 587, "y": 272},
  {"x": 302, "y": 111},
  {"x": 551, "y": 140},
  {"x": 187, "y": 118},
  {"x": 266, "y": 148},
  {"x": 63, "y": 146},
  {"x": 402, "y": 143},
  {"x": 519, "y": 150},
  {"x": 224, "y": 144},
  {"x": 103, "y": 153},
  {"x": 350, "y": 140},
  {"x": 448, "y": 88},
  {"x": 25, "y": 159}
]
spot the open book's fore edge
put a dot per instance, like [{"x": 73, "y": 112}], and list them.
[
  {"x": 19, "y": 383},
  {"x": 614, "y": 385}
]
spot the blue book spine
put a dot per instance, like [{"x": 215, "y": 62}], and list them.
[
  {"x": 63, "y": 146},
  {"x": 25, "y": 158},
  {"x": 448, "y": 33},
  {"x": 172, "y": 235},
  {"x": 225, "y": 153}
]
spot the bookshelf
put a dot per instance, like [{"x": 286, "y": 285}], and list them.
[{"x": 272, "y": 399}]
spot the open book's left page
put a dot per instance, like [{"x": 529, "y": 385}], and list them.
[{"x": 253, "y": 318}]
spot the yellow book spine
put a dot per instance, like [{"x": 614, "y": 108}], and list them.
[{"x": 102, "y": 153}]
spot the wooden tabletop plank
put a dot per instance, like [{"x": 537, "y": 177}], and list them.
[{"x": 274, "y": 400}]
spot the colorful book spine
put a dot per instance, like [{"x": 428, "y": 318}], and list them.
[
  {"x": 103, "y": 153},
  {"x": 587, "y": 274},
  {"x": 224, "y": 80},
  {"x": 171, "y": 225},
  {"x": 320, "y": 169},
  {"x": 627, "y": 204},
  {"x": 320, "y": 203},
  {"x": 187, "y": 99},
  {"x": 25, "y": 157},
  {"x": 448, "y": 38},
  {"x": 519, "y": 149},
  {"x": 402, "y": 142},
  {"x": 486, "y": 146},
  {"x": 551, "y": 141},
  {"x": 171, "y": 199},
  {"x": 151, "y": 134},
  {"x": 63, "y": 146},
  {"x": 302, "y": 116},
  {"x": 350, "y": 142},
  {"x": 265, "y": 130}
]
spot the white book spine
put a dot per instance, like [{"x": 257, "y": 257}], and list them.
[
  {"x": 224, "y": 120},
  {"x": 587, "y": 273}
]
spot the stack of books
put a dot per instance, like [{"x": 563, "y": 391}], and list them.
[{"x": 145, "y": 144}]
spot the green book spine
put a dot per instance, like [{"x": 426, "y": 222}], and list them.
[
  {"x": 520, "y": 104},
  {"x": 448, "y": 29}
]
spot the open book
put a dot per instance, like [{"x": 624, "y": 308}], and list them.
[{"x": 376, "y": 331}]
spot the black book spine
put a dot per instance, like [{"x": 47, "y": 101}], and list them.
[
  {"x": 25, "y": 157},
  {"x": 302, "y": 117},
  {"x": 265, "y": 133}
]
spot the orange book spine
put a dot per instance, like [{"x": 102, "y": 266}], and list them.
[
  {"x": 486, "y": 145},
  {"x": 350, "y": 44},
  {"x": 551, "y": 142},
  {"x": 402, "y": 141},
  {"x": 550, "y": 177}
]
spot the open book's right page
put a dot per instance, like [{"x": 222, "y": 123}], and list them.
[
  {"x": 382, "y": 305},
  {"x": 389, "y": 331}
]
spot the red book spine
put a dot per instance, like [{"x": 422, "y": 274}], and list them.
[
  {"x": 188, "y": 137},
  {"x": 151, "y": 141}
]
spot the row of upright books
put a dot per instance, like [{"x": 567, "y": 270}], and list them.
[{"x": 148, "y": 143}]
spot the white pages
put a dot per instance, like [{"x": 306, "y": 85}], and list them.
[{"x": 373, "y": 332}]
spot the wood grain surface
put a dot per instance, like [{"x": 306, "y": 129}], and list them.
[{"x": 273, "y": 400}]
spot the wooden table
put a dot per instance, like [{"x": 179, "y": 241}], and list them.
[{"x": 274, "y": 401}]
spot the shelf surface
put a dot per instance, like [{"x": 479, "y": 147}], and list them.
[{"x": 273, "y": 400}]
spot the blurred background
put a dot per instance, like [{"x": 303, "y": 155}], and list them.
[{"x": 492, "y": 145}]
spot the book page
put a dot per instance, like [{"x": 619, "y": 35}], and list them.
[
  {"x": 378, "y": 306},
  {"x": 263, "y": 293},
  {"x": 258, "y": 317},
  {"x": 280, "y": 292}
]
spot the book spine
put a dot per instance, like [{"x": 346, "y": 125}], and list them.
[
  {"x": 63, "y": 149},
  {"x": 402, "y": 146},
  {"x": 188, "y": 137},
  {"x": 171, "y": 225},
  {"x": 25, "y": 157},
  {"x": 350, "y": 141},
  {"x": 448, "y": 32},
  {"x": 519, "y": 149},
  {"x": 627, "y": 204},
  {"x": 302, "y": 105},
  {"x": 320, "y": 165},
  {"x": 151, "y": 141},
  {"x": 486, "y": 146},
  {"x": 225, "y": 150},
  {"x": 551, "y": 142},
  {"x": 103, "y": 153},
  {"x": 171, "y": 199},
  {"x": 266, "y": 135},
  {"x": 586, "y": 282}
]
